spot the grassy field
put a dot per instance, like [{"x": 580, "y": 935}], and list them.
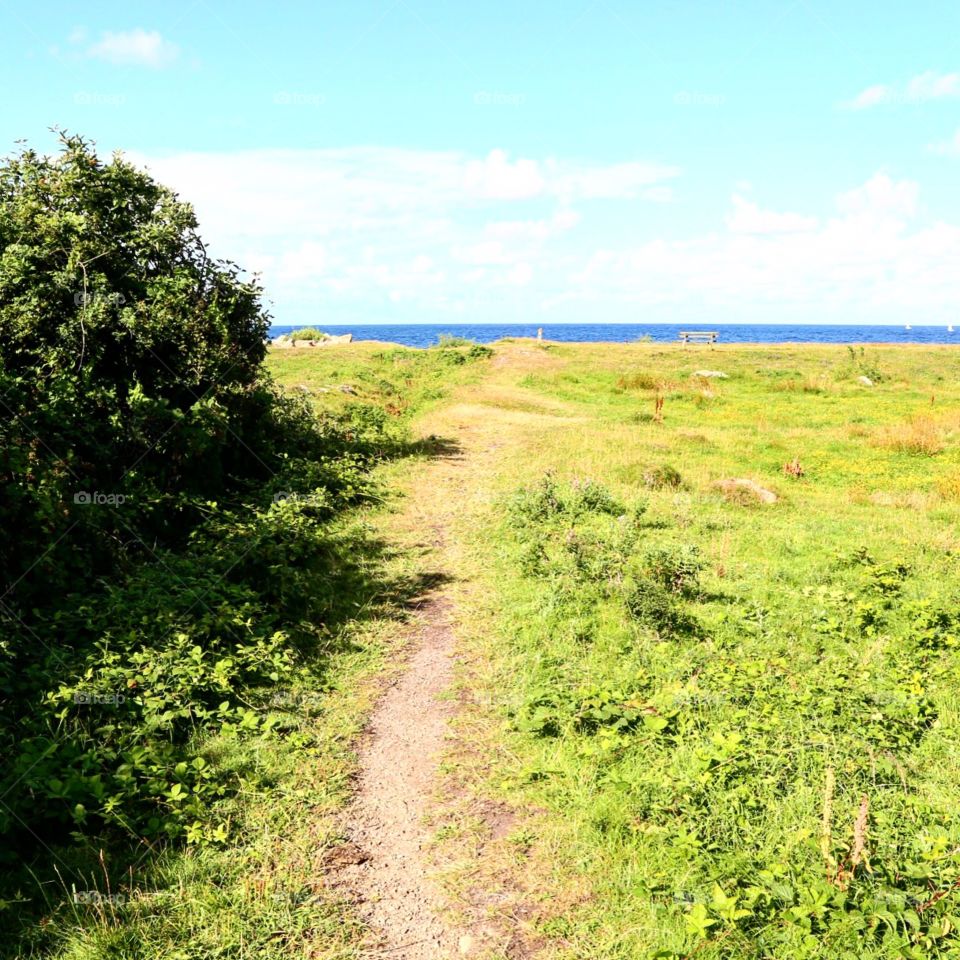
[
  {"x": 724, "y": 727},
  {"x": 709, "y": 726}
]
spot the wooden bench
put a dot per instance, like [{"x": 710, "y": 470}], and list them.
[{"x": 698, "y": 336}]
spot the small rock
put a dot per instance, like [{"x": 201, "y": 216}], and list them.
[
  {"x": 346, "y": 388},
  {"x": 866, "y": 381},
  {"x": 303, "y": 388},
  {"x": 719, "y": 374},
  {"x": 466, "y": 943},
  {"x": 740, "y": 489}
]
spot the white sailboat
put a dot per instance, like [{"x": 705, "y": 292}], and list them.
[
  {"x": 907, "y": 327},
  {"x": 949, "y": 328}
]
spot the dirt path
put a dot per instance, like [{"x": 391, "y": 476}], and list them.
[{"x": 383, "y": 866}]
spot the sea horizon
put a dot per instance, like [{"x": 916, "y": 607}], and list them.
[{"x": 427, "y": 334}]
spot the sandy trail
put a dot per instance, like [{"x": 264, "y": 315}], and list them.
[
  {"x": 383, "y": 865},
  {"x": 383, "y": 868}
]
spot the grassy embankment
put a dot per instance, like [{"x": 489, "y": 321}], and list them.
[{"x": 248, "y": 881}]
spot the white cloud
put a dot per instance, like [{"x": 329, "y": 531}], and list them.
[
  {"x": 748, "y": 217},
  {"x": 950, "y": 148},
  {"x": 381, "y": 233},
  {"x": 880, "y": 197},
  {"x": 861, "y": 263},
  {"x": 145, "y": 48},
  {"x": 920, "y": 89},
  {"x": 499, "y": 179},
  {"x": 521, "y": 274},
  {"x": 617, "y": 181}
]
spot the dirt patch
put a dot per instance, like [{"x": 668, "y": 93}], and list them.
[{"x": 382, "y": 867}]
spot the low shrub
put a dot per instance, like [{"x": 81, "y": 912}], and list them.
[
  {"x": 654, "y": 606},
  {"x": 308, "y": 333},
  {"x": 675, "y": 567},
  {"x": 662, "y": 476},
  {"x": 452, "y": 340}
]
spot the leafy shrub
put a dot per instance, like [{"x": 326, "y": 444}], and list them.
[
  {"x": 130, "y": 366},
  {"x": 537, "y": 504},
  {"x": 662, "y": 476},
  {"x": 652, "y": 605},
  {"x": 674, "y": 567},
  {"x": 308, "y": 333},
  {"x": 172, "y": 506}
]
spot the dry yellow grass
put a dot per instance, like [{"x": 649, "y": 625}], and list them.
[
  {"x": 949, "y": 486},
  {"x": 921, "y": 435}
]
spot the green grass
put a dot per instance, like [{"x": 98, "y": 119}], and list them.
[{"x": 681, "y": 771}]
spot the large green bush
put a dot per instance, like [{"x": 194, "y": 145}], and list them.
[
  {"x": 130, "y": 380},
  {"x": 166, "y": 508}
]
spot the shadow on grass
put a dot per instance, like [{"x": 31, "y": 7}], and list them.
[{"x": 318, "y": 583}]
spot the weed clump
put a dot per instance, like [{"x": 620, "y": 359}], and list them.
[
  {"x": 652, "y": 605},
  {"x": 309, "y": 333},
  {"x": 548, "y": 500},
  {"x": 675, "y": 567},
  {"x": 639, "y": 381},
  {"x": 861, "y": 364},
  {"x": 662, "y": 476}
]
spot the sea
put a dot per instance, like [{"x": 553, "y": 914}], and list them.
[{"x": 426, "y": 335}]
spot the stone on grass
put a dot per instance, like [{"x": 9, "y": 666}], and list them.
[
  {"x": 866, "y": 381},
  {"x": 743, "y": 491},
  {"x": 718, "y": 374}
]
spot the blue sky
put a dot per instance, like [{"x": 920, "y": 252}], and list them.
[{"x": 418, "y": 161}]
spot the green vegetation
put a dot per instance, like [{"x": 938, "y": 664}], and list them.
[
  {"x": 739, "y": 724},
  {"x": 308, "y": 333},
  {"x": 190, "y": 584}
]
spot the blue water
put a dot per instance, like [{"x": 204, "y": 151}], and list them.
[{"x": 424, "y": 335}]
